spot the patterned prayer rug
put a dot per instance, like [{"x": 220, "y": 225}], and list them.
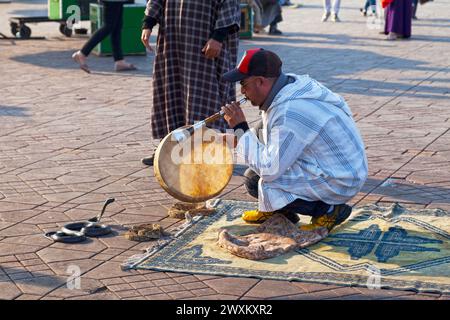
[{"x": 378, "y": 247}]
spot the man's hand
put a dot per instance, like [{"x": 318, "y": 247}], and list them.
[
  {"x": 145, "y": 38},
  {"x": 212, "y": 49},
  {"x": 233, "y": 114}
]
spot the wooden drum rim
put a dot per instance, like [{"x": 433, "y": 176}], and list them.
[{"x": 174, "y": 193}]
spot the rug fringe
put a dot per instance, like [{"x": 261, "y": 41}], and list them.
[{"x": 213, "y": 203}]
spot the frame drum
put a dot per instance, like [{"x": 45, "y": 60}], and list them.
[{"x": 196, "y": 169}]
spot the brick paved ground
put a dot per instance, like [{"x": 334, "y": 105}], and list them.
[{"x": 69, "y": 140}]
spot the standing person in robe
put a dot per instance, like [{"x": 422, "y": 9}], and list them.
[
  {"x": 398, "y": 18},
  {"x": 271, "y": 15},
  {"x": 197, "y": 42}
]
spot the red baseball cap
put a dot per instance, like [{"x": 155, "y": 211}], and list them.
[{"x": 255, "y": 62}]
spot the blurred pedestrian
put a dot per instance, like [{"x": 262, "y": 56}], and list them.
[
  {"x": 415, "y": 3},
  {"x": 257, "y": 14},
  {"x": 271, "y": 15},
  {"x": 373, "y": 6},
  {"x": 331, "y": 11},
  {"x": 285, "y": 2},
  {"x": 113, "y": 21},
  {"x": 398, "y": 17}
]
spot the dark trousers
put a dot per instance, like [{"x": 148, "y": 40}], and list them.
[
  {"x": 112, "y": 17},
  {"x": 369, "y": 3},
  {"x": 415, "y": 5},
  {"x": 299, "y": 206},
  {"x": 277, "y": 20}
]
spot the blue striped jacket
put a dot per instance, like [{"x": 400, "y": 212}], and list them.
[{"x": 312, "y": 149}]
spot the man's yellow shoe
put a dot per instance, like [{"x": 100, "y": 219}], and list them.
[
  {"x": 309, "y": 227},
  {"x": 330, "y": 220},
  {"x": 256, "y": 216}
]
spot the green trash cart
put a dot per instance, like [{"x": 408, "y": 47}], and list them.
[
  {"x": 58, "y": 11},
  {"x": 131, "y": 30}
]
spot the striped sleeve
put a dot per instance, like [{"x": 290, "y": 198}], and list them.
[{"x": 270, "y": 161}]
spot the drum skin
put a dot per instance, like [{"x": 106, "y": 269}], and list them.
[{"x": 195, "y": 170}]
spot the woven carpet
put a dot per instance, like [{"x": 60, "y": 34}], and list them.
[{"x": 379, "y": 247}]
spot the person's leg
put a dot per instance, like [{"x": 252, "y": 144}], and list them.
[
  {"x": 321, "y": 213},
  {"x": 333, "y": 217},
  {"x": 415, "y": 5},
  {"x": 250, "y": 177},
  {"x": 327, "y": 6},
  {"x": 256, "y": 15},
  {"x": 148, "y": 161},
  {"x": 81, "y": 55},
  {"x": 373, "y": 7},
  {"x": 102, "y": 32},
  {"x": 327, "y": 10},
  {"x": 251, "y": 180},
  {"x": 336, "y": 7},
  {"x": 364, "y": 9},
  {"x": 366, "y": 5},
  {"x": 273, "y": 30},
  {"x": 116, "y": 43},
  {"x": 117, "y": 22},
  {"x": 251, "y": 183},
  {"x": 308, "y": 208}
]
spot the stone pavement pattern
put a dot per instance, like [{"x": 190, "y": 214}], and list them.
[{"x": 69, "y": 140}]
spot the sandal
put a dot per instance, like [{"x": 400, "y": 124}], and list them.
[
  {"x": 129, "y": 67},
  {"x": 83, "y": 66}
]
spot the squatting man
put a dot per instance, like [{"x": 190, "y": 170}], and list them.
[{"x": 306, "y": 156}]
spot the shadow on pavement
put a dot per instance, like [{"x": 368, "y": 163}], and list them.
[
  {"x": 308, "y": 60},
  {"x": 431, "y": 38},
  {"x": 328, "y": 66},
  {"x": 28, "y": 13},
  {"x": 323, "y": 38},
  {"x": 30, "y": 1},
  {"x": 37, "y": 279},
  {"x": 13, "y": 111},
  {"x": 400, "y": 189},
  {"x": 98, "y": 65}
]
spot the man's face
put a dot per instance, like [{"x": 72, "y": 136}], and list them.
[{"x": 251, "y": 87}]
